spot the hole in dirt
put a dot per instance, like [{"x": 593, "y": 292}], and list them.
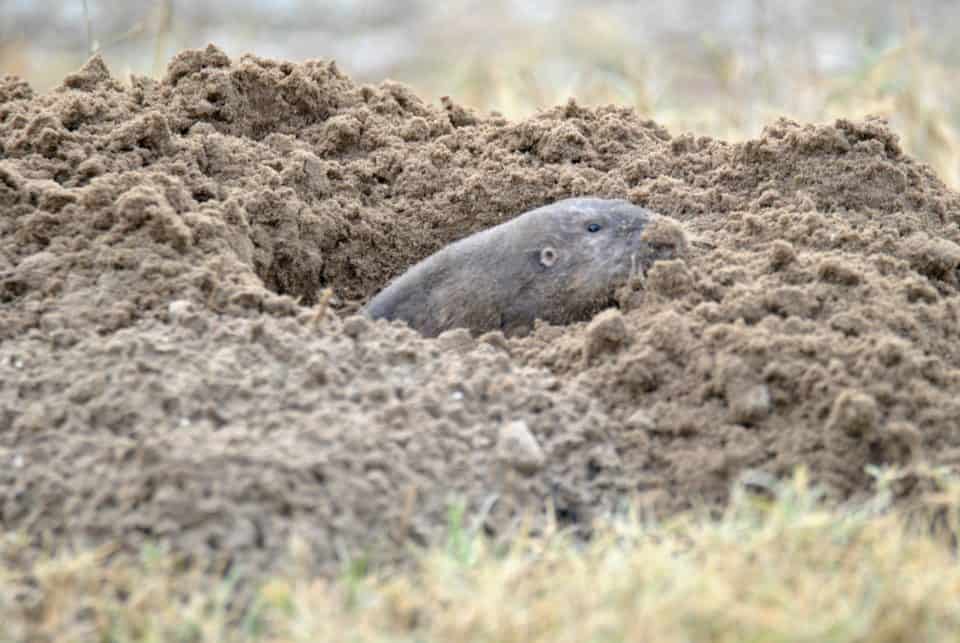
[
  {"x": 567, "y": 515},
  {"x": 593, "y": 469},
  {"x": 12, "y": 289},
  {"x": 202, "y": 195},
  {"x": 294, "y": 272}
]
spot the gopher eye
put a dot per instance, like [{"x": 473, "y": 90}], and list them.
[{"x": 593, "y": 227}]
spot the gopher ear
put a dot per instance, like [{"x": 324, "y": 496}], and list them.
[{"x": 548, "y": 257}]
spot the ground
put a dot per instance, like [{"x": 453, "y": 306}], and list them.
[{"x": 180, "y": 261}]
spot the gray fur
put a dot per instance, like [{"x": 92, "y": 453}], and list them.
[{"x": 502, "y": 278}]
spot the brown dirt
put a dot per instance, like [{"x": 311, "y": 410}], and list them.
[{"x": 165, "y": 372}]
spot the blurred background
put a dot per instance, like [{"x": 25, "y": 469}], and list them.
[{"x": 721, "y": 69}]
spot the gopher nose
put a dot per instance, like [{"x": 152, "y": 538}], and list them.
[{"x": 636, "y": 227}]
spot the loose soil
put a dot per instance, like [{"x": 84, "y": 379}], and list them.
[{"x": 179, "y": 260}]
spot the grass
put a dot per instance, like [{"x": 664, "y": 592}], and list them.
[{"x": 784, "y": 567}]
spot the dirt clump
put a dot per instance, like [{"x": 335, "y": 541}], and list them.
[{"x": 163, "y": 375}]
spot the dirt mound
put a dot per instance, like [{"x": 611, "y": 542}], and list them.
[{"x": 164, "y": 373}]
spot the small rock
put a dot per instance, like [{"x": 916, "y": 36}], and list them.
[
  {"x": 184, "y": 313},
  {"x": 519, "y": 449},
  {"x": 750, "y": 405},
  {"x": 933, "y": 258},
  {"x": 759, "y": 481},
  {"x": 179, "y": 308}
]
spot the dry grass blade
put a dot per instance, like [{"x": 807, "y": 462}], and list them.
[{"x": 782, "y": 569}]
